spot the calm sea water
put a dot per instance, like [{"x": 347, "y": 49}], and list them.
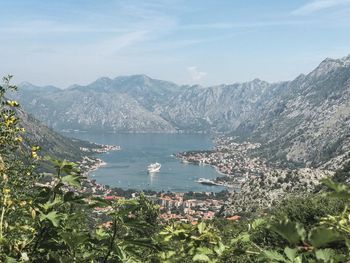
[{"x": 128, "y": 168}]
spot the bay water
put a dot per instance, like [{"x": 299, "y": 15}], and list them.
[{"x": 127, "y": 168}]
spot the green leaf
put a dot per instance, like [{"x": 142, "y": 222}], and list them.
[
  {"x": 53, "y": 217},
  {"x": 10, "y": 260},
  {"x": 291, "y": 231},
  {"x": 73, "y": 180},
  {"x": 244, "y": 237},
  {"x": 120, "y": 253},
  {"x": 139, "y": 242},
  {"x": 74, "y": 239},
  {"x": 50, "y": 204},
  {"x": 258, "y": 222},
  {"x": 201, "y": 227},
  {"x": 339, "y": 190},
  {"x": 322, "y": 236},
  {"x": 101, "y": 233},
  {"x": 290, "y": 253},
  {"x": 98, "y": 202},
  {"x": 220, "y": 248},
  {"x": 273, "y": 255},
  {"x": 204, "y": 250},
  {"x": 201, "y": 257},
  {"x": 325, "y": 255}
]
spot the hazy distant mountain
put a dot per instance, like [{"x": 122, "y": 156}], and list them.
[
  {"x": 52, "y": 143},
  {"x": 141, "y": 104},
  {"x": 122, "y": 104},
  {"x": 304, "y": 120}
]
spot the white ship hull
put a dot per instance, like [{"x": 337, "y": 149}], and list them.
[{"x": 154, "y": 168}]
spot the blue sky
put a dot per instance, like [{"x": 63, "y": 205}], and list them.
[{"x": 62, "y": 42}]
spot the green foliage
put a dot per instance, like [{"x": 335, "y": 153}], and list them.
[
  {"x": 342, "y": 175},
  {"x": 308, "y": 210},
  {"x": 200, "y": 242},
  {"x": 51, "y": 221},
  {"x": 318, "y": 234},
  {"x": 55, "y": 222}
]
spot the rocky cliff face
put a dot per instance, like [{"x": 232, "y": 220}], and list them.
[
  {"x": 308, "y": 120},
  {"x": 124, "y": 104},
  {"x": 141, "y": 104},
  {"x": 301, "y": 121},
  {"x": 52, "y": 143}
]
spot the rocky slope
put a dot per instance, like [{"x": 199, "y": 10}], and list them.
[
  {"x": 123, "y": 104},
  {"x": 302, "y": 121},
  {"x": 141, "y": 104},
  {"x": 308, "y": 120},
  {"x": 52, "y": 143}
]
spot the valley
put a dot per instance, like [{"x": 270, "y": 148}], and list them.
[
  {"x": 304, "y": 122},
  {"x": 280, "y": 138},
  {"x": 175, "y": 131}
]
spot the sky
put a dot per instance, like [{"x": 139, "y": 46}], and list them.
[{"x": 206, "y": 42}]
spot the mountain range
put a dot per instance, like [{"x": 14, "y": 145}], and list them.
[{"x": 303, "y": 121}]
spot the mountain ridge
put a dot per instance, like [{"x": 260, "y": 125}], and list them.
[{"x": 285, "y": 114}]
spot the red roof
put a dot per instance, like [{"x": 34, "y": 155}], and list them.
[{"x": 233, "y": 218}]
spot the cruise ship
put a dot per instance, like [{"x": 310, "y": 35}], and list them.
[
  {"x": 154, "y": 167},
  {"x": 205, "y": 181}
]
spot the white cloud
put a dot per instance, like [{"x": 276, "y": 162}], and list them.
[
  {"x": 319, "y": 5},
  {"x": 50, "y": 27},
  {"x": 258, "y": 24},
  {"x": 121, "y": 42},
  {"x": 195, "y": 74}
]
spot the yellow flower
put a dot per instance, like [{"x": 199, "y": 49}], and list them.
[
  {"x": 12, "y": 103},
  {"x": 19, "y": 139},
  {"x": 34, "y": 155},
  {"x": 34, "y": 152},
  {"x": 9, "y": 120}
]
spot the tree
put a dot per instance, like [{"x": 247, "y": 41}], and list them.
[{"x": 48, "y": 222}]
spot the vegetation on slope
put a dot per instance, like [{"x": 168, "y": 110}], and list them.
[{"x": 54, "y": 223}]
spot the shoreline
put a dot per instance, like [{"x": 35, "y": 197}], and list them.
[
  {"x": 90, "y": 163},
  {"x": 229, "y": 159}
]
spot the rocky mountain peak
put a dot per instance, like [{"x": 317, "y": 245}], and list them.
[
  {"x": 139, "y": 79},
  {"x": 303, "y": 119},
  {"x": 328, "y": 65},
  {"x": 25, "y": 84},
  {"x": 29, "y": 86},
  {"x": 102, "y": 82},
  {"x": 346, "y": 61},
  {"x": 258, "y": 81}
]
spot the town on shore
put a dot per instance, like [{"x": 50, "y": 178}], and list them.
[
  {"x": 186, "y": 207},
  {"x": 251, "y": 183}
]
